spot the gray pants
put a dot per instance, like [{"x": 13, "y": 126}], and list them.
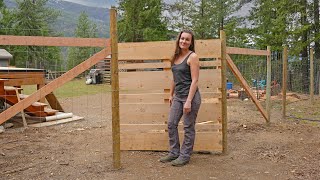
[{"x": 189, "y": 120}]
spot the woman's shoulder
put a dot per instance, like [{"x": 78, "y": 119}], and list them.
[
  {"x": 193, "y": 58},
  {"x": 193, "y": 55}
]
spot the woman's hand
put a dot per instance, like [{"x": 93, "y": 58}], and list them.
[
  {"x": 170, "y": 100},
  {"x": 187, "y": 107}
]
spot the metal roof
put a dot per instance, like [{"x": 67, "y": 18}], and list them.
[{"x": 5, "y": 54}]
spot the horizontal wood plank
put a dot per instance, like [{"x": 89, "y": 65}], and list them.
[
  {"x": 149, "y": 80},
  {"x": 144, "y": 65},
  {"x": 158, "y": 141},
  {"x": 153, "y": 113},
  {"x": 167, "y": 64},
  {"x": 159, "y": 97},
  {"x": 165, "y": 49},
  {"x": 53, "y": 41},
  {"x": 25, "y": 81},
  {"x": 246, "y": 51},
  {"x": 210, "y": 63},
  {"x": 21, "y": 76},
  {"x": 157, "y": 81},
  {"x": 138, "y": 128}
]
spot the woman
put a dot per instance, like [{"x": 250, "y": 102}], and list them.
[{"x": 184, "y": 99}]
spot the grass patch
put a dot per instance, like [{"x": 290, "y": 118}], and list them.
[{"x": 73, "y": 88}]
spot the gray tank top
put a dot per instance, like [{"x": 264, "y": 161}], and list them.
[{"x": 182, "y": 78}]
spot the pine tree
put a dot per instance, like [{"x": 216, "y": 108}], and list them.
[
  {"x": 272, "y": 23},
  {"x": 204, "y": 17},
  {"x": 316, "y": 29},
  {"x": 2, "y": 5},
  {"x": 6, "y": 19},
  {"x": 31, "y": 19},
  {"x": 141, "y": 20},
  {"x": 85, "y": 29}
]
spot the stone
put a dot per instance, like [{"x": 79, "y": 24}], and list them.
[
  {"x": 8, "y": 125},
  {"x": 1, "y": 129}
]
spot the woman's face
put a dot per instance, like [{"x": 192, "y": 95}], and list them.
[{"x": 185, "y": 40}]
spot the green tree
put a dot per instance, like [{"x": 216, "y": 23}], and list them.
[
  {"x": 269, "y": 23},
  {"x": 85, "y": 29},
  {"x": 2, "y": 4},
  {"x": 205, "y": 17},
  {"x": 6, "y": 19},
  {"x": 141, "y": 20},
  {"x": 316, "y": 28},
  {"x": 34, "y": 18},
  {"x": 294, "y": 23}
]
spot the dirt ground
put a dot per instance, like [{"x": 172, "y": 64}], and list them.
[{"x": 286, "y": 149}]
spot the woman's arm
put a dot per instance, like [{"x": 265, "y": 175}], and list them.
[{"x": 194, "y": 64}]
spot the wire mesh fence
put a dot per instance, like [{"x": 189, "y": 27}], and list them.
[{"x": 254, "y": 70}]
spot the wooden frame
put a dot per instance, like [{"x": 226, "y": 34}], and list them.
[{"x": 212, "y": 131}]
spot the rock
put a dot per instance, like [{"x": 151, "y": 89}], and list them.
[
  {"x": 1, "y": 129},
  {"x": 8, "y": 125}
]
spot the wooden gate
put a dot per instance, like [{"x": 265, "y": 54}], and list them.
[{"x": 144, "y": 93}]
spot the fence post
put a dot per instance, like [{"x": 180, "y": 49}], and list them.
[
  {"x": 224, "y": 89},
  {"x": 268, "y": 90},
  {"x": 311, "y": 76},
  {"x": 284, "y": 80},
  {"x": 115, "y": 90}
]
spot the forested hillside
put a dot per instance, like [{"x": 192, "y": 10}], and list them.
[{"x": 67, "y": 21}]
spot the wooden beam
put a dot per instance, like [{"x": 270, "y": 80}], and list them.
[
  {"x": 17, "y": 75},
  {"x": 24, "y": 81},
  {"x": 145, "y": 65},
  {"x": 164, "y": 50},
  {"x": 204, "y": 141},
  {"x": 224, "y": 90},
  {"x": 311, "y": 76},
  {"x": 145, "y": 80},
  {"x": 284, "y": 80},
  {"x": 159, "y": 97},
  {"x": 53, "y": 41},
  {"x": 157, "y": 113},
  {"x": 245, "y": 85},
  {"x": 205, "y": 127},
  {"x": 268, "y": 87},
  {"x": 24, "y": 121},
  {"x": 115, "y": 90},
  {"x": 245, "y": 51},
  {"x": 45, "y": 90},
  {"x": 53, "y": 102}
]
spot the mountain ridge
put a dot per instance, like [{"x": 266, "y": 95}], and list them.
[{"x": 67, "y": 21}]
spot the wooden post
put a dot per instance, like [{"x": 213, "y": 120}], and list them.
[
  {"x": 311, "y": 76},
  {"x": 224, "y": 90},
  {"x": 268, "y": 90},
  {"x": 24, "y": 121},
  {"x": 284, "y": 80},
  {"x": 115, "y": 89},
  {"x": 318, "y": 76}
]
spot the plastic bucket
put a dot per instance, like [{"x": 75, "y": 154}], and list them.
[{"x": 229, "y": 85}]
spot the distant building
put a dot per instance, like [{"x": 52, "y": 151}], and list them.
[{"x": 5, "y": 57}]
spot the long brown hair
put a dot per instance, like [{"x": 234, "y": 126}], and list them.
[{"x": 178, "y": 49}]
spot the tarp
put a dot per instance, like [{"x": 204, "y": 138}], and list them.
[{"x": 5, "y": 54}]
